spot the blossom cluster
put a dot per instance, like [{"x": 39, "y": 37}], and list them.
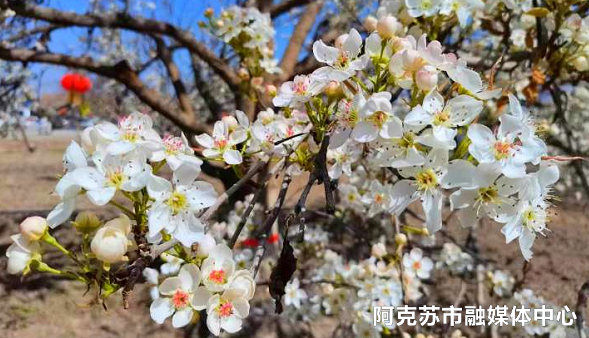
[
  {"x": 408, "y": 10},
  {"x": 215, "y": 286},
  {"x": 127, "y": 160},
  {"x": 250, "y": 33},
  {"x": 399, "y": 122}
]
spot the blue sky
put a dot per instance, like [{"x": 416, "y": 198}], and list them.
[{"x": 183, "y": 13}]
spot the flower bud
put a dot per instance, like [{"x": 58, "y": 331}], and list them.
[
  {"x": 219, "y": 23},
  {"x": 339, "y": 42},
  {"x": 370, "y": 23},
  {"x": 333, "y": 90},
  {"x": 209, "y": 12},
  {"x": 109, "y": 244},
  {"x": 388, "y": 27},
  {"x": 33, "y": 228},
  {"x": 257, "y": 81},
  {"x": 86, "y": 222},
  {"x": 271, "y": 90},
  {"x": 581, "y": 64},
  {"x": 400, "y": 239},
  {"x": 122, "y": 223},
  {"x": 378, "y": 250},
  {"x": 426, "y": 79},
  {"x": 243, "y": 74},
  {"x": 401, "y": 44}
]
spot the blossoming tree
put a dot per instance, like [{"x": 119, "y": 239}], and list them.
[{"x": 401, "y": 129}]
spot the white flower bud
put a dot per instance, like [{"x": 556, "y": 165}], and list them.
[
  {"x": 388, "y": 27},
  {"x": 426, "y": 79},
  {"x": 370, "y": 23},
  {"x": 109, "y": 244},
  {"x": 271, "y": 90},
  {"x": 33, "y": 228},
  {"x": 121, "y": 223},
  {"x": 400, "y": 239},
  {"x": 334, "y": 89},
  {"x": 378, "y": 250}
]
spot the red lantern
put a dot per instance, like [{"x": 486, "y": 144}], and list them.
[{"x": 76, "y": 85}]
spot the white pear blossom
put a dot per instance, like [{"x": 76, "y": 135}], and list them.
[
  {"x": 502, "y": 283},
  {"x": 222, "y": 144},
  {"x": 295, "y": 93},
  {"x": 343, "y": 61},
  {"x": 180, "y": 296},
  {"x": 20, "y": 253},
  {"x": 342, "y": 158},
  {"x": 444, "y": 118},
  {"x": 415, "y": 263},
  {"x": 218, "y": 268},
  {"x": 376, "y": 118},
  {"x": 176, "y": 152},
  {"x": 346, "y": 119},
  {"x": 294, "y": 295},
  {"x": 226, "y": 311},
  {"x": 417, "y": 8},
  {"x": 530, "y": 219},
  {"x": 504, "y": 147},
  {"x": 426, "y": 183},
  {"x": 175, "y": 206},
  {"x": 127, "y": 173},
  {"x": 462, "y": 8},
  {"x": 134, "y": 132},
  {"x": 377, "y": 197},
  {"x": 487, "y": 195}
]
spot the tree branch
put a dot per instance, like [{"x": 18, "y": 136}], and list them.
[
  {"x": 124, "y": 21},
  {"x": 121, "y": 72},
  {"x": 204, "y": 89},
  {"x": 295, "y": 44},
  {"x": 165, "y": 55},
  {"x": 286, "y": 6}
]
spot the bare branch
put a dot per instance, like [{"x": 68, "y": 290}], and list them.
[
  {"x": 124, "y": 21},
  {"x": 204, "y": 88},
  {"x": 165, "y": 55},
  {"x": 121, "y": 72},
  {"x": 297, "y": 39},
  {"x": 43, "y": 30},
  {"x": 287, "y": 5}
]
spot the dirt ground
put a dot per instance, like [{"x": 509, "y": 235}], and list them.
[{"x": 46, "y": 307}]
